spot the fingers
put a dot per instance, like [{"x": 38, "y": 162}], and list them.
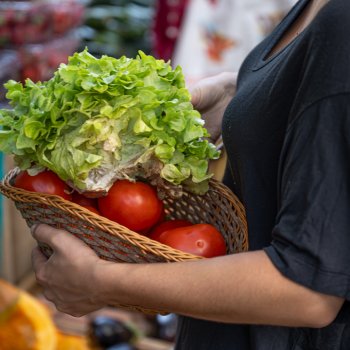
[
  {"x": 43, "y": 233},
  {"x": 38, "y": 259},
  {"x": 196, "y": 93},
  {"x": 58, "y": 240},
  {"x": 46, "y": 234}
]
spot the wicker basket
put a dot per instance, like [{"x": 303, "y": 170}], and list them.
[{"x": 114, "y": 242}]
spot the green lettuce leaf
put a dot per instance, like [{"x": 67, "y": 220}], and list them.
[{"x": 100, "y": 119}]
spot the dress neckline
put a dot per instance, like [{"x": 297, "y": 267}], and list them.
[{"x": 280, "y": 30}]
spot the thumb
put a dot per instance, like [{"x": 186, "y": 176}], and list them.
[
  {"x": 44, "y": 234},
  {"x": 196, "y": 95},
  {"x": 58, "y": 240}
]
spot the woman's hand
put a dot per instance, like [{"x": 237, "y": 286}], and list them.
[
  {"x": 68, "y": 276},
  {"x": 210, "y": 96}
]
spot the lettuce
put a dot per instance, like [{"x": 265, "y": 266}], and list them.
[{"x": 101, "y": 119}]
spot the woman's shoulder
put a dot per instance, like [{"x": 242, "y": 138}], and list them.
[
  {"x": 328, "y": 49},
  {"x": 334, "y": 19}
]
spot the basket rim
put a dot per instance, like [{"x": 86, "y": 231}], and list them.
[{"x": 20, "y": 195}]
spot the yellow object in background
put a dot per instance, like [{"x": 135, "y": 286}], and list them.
[
  {"x": 71, "y": 342},
  {"x": 25, "y": 323}
]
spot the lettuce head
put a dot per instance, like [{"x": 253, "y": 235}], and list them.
[{"x": 102, "y": 119}]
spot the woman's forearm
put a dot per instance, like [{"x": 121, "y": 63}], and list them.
[{"x": 240, "y": 288}]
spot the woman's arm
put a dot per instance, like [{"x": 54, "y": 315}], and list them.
[{"x": 239, "y": 288}]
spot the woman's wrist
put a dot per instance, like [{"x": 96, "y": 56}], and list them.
[{"x": 108, "y": 280}]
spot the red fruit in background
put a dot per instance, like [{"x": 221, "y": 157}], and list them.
[
  {"x": 132, "y": 204},
  {"x": 33, "y": 73},
  {"x": 8, "y": 15},
  {"x": 80, "y": 199},
  {"x": 45, "y": 182},
  {"x": 200, "y": 239},
  {"x": 167, "y": 225},
  {"x": 61, "y": 19},
  {"x": 93, "y": 209},
  {"x": 17, "y": 34},
  {"x": 5, "y": 35},
  {"x": 162, "y": 217}
]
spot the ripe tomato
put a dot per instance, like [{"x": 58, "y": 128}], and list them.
[
  {"x": 44, "y": 182},
  {"x": 167, "y": 225},
  {"x": 132, "y": 204},
  {"x": 80, "y": 199},
  {"x": 93, "y": 209},
  {"x": 200, "y": 239}
]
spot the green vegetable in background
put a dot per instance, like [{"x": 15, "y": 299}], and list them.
[{"x": 102, "y": 119}]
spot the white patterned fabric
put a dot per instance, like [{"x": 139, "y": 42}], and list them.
[{"x": 216, "y": 35}]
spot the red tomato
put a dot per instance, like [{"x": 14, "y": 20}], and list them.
[
  {"x": 200, "y": 239},
  {"x": 162, "y": 217},
  {"x": 83, "y": 201},
  {"x": 132, "y": 204},
  {"x": 93, "y": 209},
  {"x": 167, "y": 225},
  {"x": 45, "y": 182}
]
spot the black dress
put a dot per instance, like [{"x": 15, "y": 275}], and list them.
[{"x": 287, "y": 135}]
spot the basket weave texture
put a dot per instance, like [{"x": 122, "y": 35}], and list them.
[{"x": 114, "y": 242}]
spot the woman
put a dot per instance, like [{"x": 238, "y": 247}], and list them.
[{"x": 286, "y": 133}]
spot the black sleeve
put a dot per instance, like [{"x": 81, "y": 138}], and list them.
[{"x": 311, "y": 237}]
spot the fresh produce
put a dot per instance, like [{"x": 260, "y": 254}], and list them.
[
  {"x": 133, "y": 204},
  {"x": 67, "y": 341},
  {"x": 98, "y": 120},
  {"x": 84, "y": 201},
  {"x": 39, "y": 61},
  {"x": 23, "y": 22},
  {"x": 199, "y": 239},
  {"x": 165, "y": 226},
  {"x": 44, "y": 182},
  {"x": 118, "y": 27},
  {"x": 25, "y": 323},
  {"x": 93, "y": 209},
  {"x": 66, "y": 15}
]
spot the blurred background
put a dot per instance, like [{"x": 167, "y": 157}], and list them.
[{"x": 204, "y": 37}]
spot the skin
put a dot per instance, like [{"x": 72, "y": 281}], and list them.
[
  {"x": 299, "y": 25},
  {"x": 239, "y": 288},
  {"x": 211, "y": 96},
  {"x": 243, "y": 288}
]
